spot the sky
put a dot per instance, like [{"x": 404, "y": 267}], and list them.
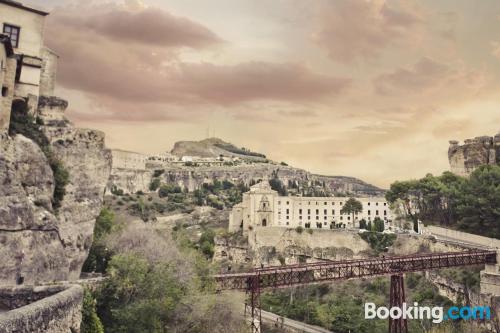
[{"x": 366, "y": 88}]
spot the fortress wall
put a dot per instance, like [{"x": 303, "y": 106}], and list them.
[
  {"x": 58, "y": 313},
  {"x": 462, "y": 236},
  {"x": 284, "y": 238}
]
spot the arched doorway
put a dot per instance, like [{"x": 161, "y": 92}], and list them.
[{"x": 264, "y": 222}]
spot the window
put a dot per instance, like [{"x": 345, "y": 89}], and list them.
[
  {"x": 317, "y": 211},
  {"x": 333, "y": 211},
  {"x": 324, "y": 212},
  {"x": 376, "y": 212},
  {"x": 300, "y": 211},
  {"x": 368, "y": 204},
  {"x": 325, "y": 203},
  {"x": 308, "y": 211},
  {"x": 369, "y": 212},
  {"x": 288, "y": 211},
  {"x": 13, "y": 33},
  {"x": 385, "y": 212}
]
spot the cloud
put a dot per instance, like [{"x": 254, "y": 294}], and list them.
[
  {"x": 135, "y": 23},
  {"x": 430, "y": 77},
  {"x": 131, "y": 60},
  {"x": 359, "y": 29}
]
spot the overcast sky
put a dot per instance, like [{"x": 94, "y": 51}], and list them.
[{"x": 371, "y": 89}]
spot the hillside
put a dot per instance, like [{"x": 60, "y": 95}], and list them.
[{"x": 213, "y": 147}]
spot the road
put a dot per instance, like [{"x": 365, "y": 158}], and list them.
[{"x": 298, "y": 326}]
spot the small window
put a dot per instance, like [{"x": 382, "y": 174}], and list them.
[
  {"x": 13, "y": 32},
  {"x": 5, "y": 90}
]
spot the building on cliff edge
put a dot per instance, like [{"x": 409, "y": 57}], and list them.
[
  {"x": 35, "y": 64},
  {"x": 466, "y": 158},
  {"x": 263, "y": 207}
]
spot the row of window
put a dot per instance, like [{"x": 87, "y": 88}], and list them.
[
  {"x": 333, "y": 203},
  {"x": 325, "y": 212}
]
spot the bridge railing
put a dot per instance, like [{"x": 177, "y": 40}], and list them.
[{"x": 303, "y": 274}]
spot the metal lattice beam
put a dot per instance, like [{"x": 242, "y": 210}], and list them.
[{"x": 296, "y": 275}]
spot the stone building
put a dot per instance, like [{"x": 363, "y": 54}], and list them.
[
  {"x": 482, "y": 150},
  {"x": 123, "y": 159},
  {"x": 262, "y": 206},
  {"x": 8, "y": 64},
  {"x": 36, "y": 64}
]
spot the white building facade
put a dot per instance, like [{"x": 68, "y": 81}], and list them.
[
  {"x": 262, "y": 206},
  {"x": 36, "y": 64}
]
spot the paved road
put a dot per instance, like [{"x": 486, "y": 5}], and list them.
[{"x": 298, "y": 326}]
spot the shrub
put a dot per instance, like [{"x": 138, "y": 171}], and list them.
[
  {"x": 299, "y": 229},
  {"x": 158, "y": 173},
  {"x": 155, "y": 184},
  {"x": 90, "y": 320}
]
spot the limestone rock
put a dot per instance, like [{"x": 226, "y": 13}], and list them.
[
  {"x": 483, "y": 150},
  {"x": 36, "y": 241}
]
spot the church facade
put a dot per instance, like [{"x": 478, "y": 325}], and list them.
[{"x": 263, "y": 207}]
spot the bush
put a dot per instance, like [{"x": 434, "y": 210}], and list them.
[
  {"x": 299, "y": 229},
  {"x": 155, "y": 184},
  {"x": 167, "y": 189},
  {"x": 90, "y": 320},
  {"x": 158, "y": 173}
]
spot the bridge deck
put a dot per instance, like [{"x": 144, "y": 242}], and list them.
[{"x": 302, "y": 274}]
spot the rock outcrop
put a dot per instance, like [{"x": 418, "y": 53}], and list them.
[
  {"x": 464, "y": 159},
  {"x": 39, "y": 243}
]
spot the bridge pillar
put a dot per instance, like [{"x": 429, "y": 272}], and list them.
[
  {"x": 252, "y": 304},
  {"x": 397, "y": 298},
  {"x": 490, "y": 286}
]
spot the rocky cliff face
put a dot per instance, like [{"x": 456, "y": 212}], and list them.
[
  {"x": 131, "y": 181},
  {"x": 38, "y": 242},
  {"x": 473, "y": 153}
]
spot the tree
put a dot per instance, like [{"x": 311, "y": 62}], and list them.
[
  {"x": 378, "y": 224},
  {"x": 352, "y": 206},
  {"x": 362, "y": 224}
]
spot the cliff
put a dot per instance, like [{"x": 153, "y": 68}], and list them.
[
  {"x": 42, "y": 238},
  {"x": 473, "y": 153},
  {"x": 249, "y": 167}
]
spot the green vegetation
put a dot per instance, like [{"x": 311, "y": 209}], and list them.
[
  {"x": 467, "y": 204},
  {"x": 352, "y": 206},
  {"x": 339, "y": 307},
  {"x": 278, "y": 186},
  {"x": 378, "y": 242},
  {"x": 139, "y": 296},
  {"x": 99, "y": 255},
  {"x": 155, "y": 184},
  {"x": 21, "y": 122},
  {"x": 207, "y": 243},
  {"x": 90, "y": 320},
  {"x": 235, "y": 150}
]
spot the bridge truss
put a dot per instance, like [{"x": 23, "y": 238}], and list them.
[{"x": 322, "y": 272}]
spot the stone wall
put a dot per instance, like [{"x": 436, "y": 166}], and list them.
[
  {"x": 272, "y": 245},
  {"x": 7, "y": 82},
  {"x": 49, "y": 72},
  {"x": 460, "y": 236},
  {"x": 61, "y": 312},
  {"x": 37, "y": 241},
  {"x": 464, "y": 159}
]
